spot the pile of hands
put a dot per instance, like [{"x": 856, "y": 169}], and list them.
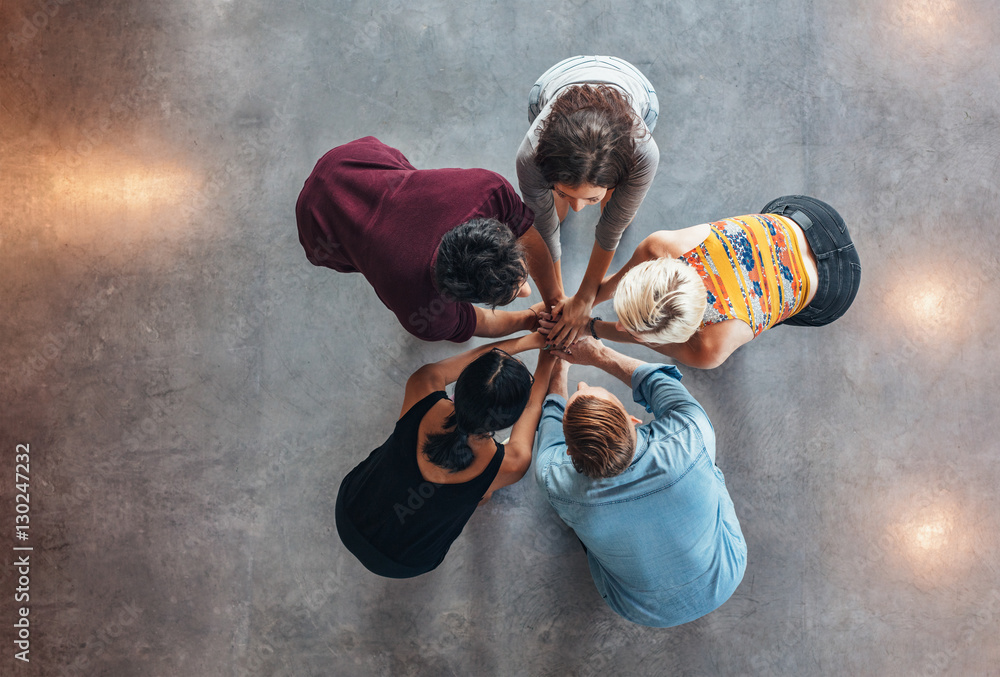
[{"x": 563, "y": 329}]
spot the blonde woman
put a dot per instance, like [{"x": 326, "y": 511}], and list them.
[{"x": 698, "y": 294}]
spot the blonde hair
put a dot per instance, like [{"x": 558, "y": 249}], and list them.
[{"x": 661, "y": 301}]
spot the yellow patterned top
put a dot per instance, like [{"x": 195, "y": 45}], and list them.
[{"x": 753, "y": 271}]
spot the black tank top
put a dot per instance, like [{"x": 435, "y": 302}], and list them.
[{"x": 393, "y": 520}]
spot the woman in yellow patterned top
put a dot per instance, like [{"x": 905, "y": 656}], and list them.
[{"x": 698, "y": 294}]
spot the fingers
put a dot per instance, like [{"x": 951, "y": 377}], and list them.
[
  {"x": 565, "y": 354},
  {"x": 545, "y": 326},
  {"x": 560, "y": 335}
]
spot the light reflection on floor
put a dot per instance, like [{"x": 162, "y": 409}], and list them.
[{"x": 114, "y": 193}]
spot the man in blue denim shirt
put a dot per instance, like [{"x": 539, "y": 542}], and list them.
[{"x": 647, "y": 501}]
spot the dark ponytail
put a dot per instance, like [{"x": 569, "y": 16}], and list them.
[{"x": 490, "y": 395}]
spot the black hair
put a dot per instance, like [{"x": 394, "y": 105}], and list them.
[
  {"x": 490, "y": 395},
  {"x": 589, "y": 137},
  {"x": 480, "y": 261}
]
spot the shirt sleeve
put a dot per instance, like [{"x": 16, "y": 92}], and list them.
[
  {"x": 453, "y": 321},
  {"x": 370, "y": 148},
  {"x": 550, "y": 440},
  {"x": 507, "y": 207},
  {"x": 625, "y": 201},
  {"x": 658, "y": 388},
  {"x": 538, "y": 197}
]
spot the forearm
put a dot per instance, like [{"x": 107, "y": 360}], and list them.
[
  {"x": 448, "y": 370},
  {"x": 496, "y": 323},
  {"x": 542, "y": 268},
  {"x": 597, "y": 268},
  {"x": 680, "y": 352},
  {"x": 522, "y": 436},
  {"x": 607, "y": 331},
  {"x": 618, "y": 365},
  {"x": 558, "y": 382}
]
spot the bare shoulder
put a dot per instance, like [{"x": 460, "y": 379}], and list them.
[
  {"x": 676, "y": 243},
  {"x": 714, "y": 343}
]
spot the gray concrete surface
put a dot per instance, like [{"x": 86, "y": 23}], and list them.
[{"x": 193, "y": 390}]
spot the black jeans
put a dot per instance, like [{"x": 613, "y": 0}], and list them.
[{"x": 836, "y": 258}]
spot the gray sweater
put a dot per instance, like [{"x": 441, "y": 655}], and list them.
[{"x": 625, "y": 201}]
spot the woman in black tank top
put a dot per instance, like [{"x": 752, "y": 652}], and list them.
[{"x": 400, "y": 509}]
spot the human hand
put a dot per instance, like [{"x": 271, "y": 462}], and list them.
[
  {"x": 573, "y": 315},
  {"x": 585, "y": 351},
  {"x": 546, "y": 321},
  {"x": 534, "y": 341},
  {"x": 537, "y": 309}
]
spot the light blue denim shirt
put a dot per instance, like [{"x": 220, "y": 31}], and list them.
[{"x": 662, "y": 538}]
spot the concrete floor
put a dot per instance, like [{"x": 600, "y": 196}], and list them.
[{"x": 193, "y": 391}]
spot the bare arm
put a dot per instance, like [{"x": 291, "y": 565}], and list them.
[
  {"x": 433, "y": 377},
  {"x": 517, "y": 451},
  {"x": 542, "y": 268},
  {"x": 558, "y": 384},
  {"x": 708, "y": 348},
  {"x": 497, "y": 323},
  {"x": 596, "y": 354},
  {"x": 654, "y": 246},
  {"x": 575, "y": 311}
]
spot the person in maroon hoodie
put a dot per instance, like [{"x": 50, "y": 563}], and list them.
[{"x": 431, "y": 242}]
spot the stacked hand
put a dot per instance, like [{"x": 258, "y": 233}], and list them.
[
  {"x": 570, "y": 317},
  {"x": 585, "y": 351},
  {"x": 565, "y": 323}
]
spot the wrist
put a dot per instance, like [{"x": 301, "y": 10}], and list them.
[
  {"x": 592, "y": 327},
  {"x": 529, "y": 320}
]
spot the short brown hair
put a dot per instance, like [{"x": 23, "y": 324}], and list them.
[{"x": 598, "y": 437}]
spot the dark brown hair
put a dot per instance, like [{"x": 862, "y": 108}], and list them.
[
  {"x": 480, "y": 261},
  {"x": 589, "y": 137},
  {"x": 598, "y": 437}
]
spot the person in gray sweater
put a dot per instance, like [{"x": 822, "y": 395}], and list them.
[{"x": 589, "y": 142}]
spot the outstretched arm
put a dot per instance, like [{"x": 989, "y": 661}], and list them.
[
  {"x": 708, "y": 348},
  {"x": 435, "y": 376},
  {"x": 497, "y": 323},
  {"x": 654, "y": 246},
  {"x": 542, "y": 268},
  {"x": 517, "y": 451},
  {"x": 596, "y": 354},
  {"x": 558, "y": 382},
  {"x": 574, "y": 312}
]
